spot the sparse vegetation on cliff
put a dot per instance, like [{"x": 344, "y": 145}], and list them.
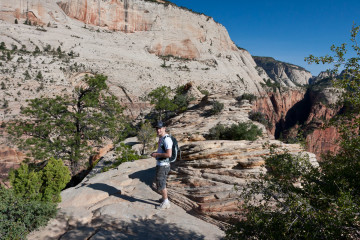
[
  {"x": 240, "y": 131},
  {"x": 261, "y": 118},
  {"x": 125, "y": 154},
  {"x": 247, "y": 96},
  {"x": 146, "y": 136},
  {"x": 271, "y": 85},
  {"x": 168, "y": 102},
  {"x": 216, "y": 108}
]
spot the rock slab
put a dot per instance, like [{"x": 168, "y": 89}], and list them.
[{"x": 120, "y": 204}]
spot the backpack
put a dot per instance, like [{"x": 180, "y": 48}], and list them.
[{"x": 175, "y": 149}]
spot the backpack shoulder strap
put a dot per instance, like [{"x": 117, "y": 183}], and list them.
[{"x": 162, "y": 143}]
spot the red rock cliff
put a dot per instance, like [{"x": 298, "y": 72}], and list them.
[
  {"x": 276, "y": 105},
  {"x": 289, "y": 111}
]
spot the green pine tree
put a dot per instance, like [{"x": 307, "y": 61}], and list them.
[{"x": 68, "y": 127}]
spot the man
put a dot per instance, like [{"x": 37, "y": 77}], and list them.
[{"x": 162, "y": 156}]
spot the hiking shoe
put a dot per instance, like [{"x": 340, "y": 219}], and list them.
[{"x": 164, "y": 205}]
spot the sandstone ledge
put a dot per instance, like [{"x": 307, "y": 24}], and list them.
[{"x": 120, "y": 204}]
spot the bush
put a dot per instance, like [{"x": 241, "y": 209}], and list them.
[
  {"x": 272, "y": 85},
  {"x": 2, "y": 46},
  {"x": 43, "y": 185},
  {"x": 240, "y": 131},
  {"x": 247, "y": 96},
  {"x": 217, "y": 107},
  {"x": 261, "y": 118},
  {"x": 39, "y": 76},
  {"x": 26, "y": 183},
  {"x": 47, "y": 48},
  {"x": 147, "y": 136},
  {"x": 126, "y": 154},
  {"x": 54, "y": 178},
  {"x": 203, "y": 91},
  {"x": 301, "y": 201},
  {"x": 20, "y": 216}
]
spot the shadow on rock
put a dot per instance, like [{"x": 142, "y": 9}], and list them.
[
  {"x": 146, "y": 176},
  {"x": 116, "y": 192},
  {"x": 104, "y": 187},
  {"x": 107, "y": 228}
]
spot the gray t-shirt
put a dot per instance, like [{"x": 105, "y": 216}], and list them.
[{"x": 167, "y": 143}]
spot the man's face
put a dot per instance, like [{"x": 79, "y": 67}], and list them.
[{"x": 160, "y": 131}]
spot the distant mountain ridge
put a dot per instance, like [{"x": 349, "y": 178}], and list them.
[{"x": 286, "y": 73}]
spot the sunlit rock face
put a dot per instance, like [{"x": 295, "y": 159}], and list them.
[
  {"x": 211, "y": 174},
  {"x": 287, "y": 74},
  {"x": 175, "y": 31}
]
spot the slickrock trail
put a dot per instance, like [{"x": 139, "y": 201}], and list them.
[{"x": 120, "y": 204}]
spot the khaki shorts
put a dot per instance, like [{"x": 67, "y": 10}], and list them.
[{"x": 161, "y": 175}]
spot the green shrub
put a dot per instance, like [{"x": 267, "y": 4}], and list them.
[
  {"x": 27, "y": 75},
  {"x": 247, "y": 96},
  {"x": 47, "y": 48},
  {"x": 301, "y": 201},
  {"x": 146, "y": 136},
  {"x": 39, "y": 76},
  {"x": 240, "y": 131},
  {"x": 55, "y": 176},
  {"x": 126, "y": 154},
  {"x": 272, "y": 85},
  {"x": 43, "y": 185},
  {"x": 217, "y": 107},
  {"x": 261, "y": 118},
  {"x": 2, "y": 46},
  {"x": 203, "y": 91},
  {"x": 181, "y": 98},
  {"x": 26, "y": 183},
  {"x": 37, "y": 50},
  {"x": 18, "y": 216},
  {"x": 8, "y": 56}
]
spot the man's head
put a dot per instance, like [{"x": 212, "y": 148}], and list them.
[{"x": 160, "y": 129}]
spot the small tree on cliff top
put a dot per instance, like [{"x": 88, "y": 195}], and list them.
[
  {"x": 68, "y": 127},
  {"x": 300, "y": 201},
  {"x": 160, "y": 97},
  {"x": 146, "y": 136}
]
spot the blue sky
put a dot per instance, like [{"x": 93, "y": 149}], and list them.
[{"x": 285, "y": 30}]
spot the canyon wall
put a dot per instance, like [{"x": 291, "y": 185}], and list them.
[
  {"x": 321, "y": 138},
  {"x": 301, "y": 115},
  {"x": 276, "y": 105}
]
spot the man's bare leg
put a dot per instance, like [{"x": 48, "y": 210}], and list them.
[{"x": 164, "y": 194}]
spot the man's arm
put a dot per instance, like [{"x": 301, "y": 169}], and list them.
[{"x": 162, "y": 155}]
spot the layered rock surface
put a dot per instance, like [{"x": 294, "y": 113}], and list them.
[
  {"x": 203, "y": 181},
  {"x": 288, "y": 74},
  {"x": 120, "y": 204},
  {"x": 209, "y": 178}
]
